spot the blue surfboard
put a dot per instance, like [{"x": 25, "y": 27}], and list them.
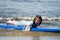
[{"x": 22, "y": 27}]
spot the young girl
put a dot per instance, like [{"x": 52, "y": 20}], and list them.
[{"x": 36, "y": 22}]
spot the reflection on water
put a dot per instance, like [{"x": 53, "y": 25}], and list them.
[
  {"x": 29, "y": 38},
  {"x": 15, "y": 38},
  {"x": 50, "y": 38}
]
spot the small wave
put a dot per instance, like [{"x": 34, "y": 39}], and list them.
[
  {"x": 50, "y": 18},
  {"x": 43, "y": 17}
]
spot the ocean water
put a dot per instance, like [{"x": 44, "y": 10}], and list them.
[{"x": 17, "y": 8}]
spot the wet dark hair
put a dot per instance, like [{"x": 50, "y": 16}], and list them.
[{"x": 39, "y": 17}]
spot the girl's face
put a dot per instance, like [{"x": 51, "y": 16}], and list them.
[{"x": 37, "y": 21}]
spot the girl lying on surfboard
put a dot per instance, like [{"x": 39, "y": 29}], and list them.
[{"x": 36, "y": 22}]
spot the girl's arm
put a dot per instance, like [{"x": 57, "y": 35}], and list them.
[{"x": 27, "y": 28}]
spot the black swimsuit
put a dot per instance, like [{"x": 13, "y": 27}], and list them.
[{"x": 33, "y": 26}]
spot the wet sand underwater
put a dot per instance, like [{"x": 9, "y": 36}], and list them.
[{"x": 23, "y": 35}]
